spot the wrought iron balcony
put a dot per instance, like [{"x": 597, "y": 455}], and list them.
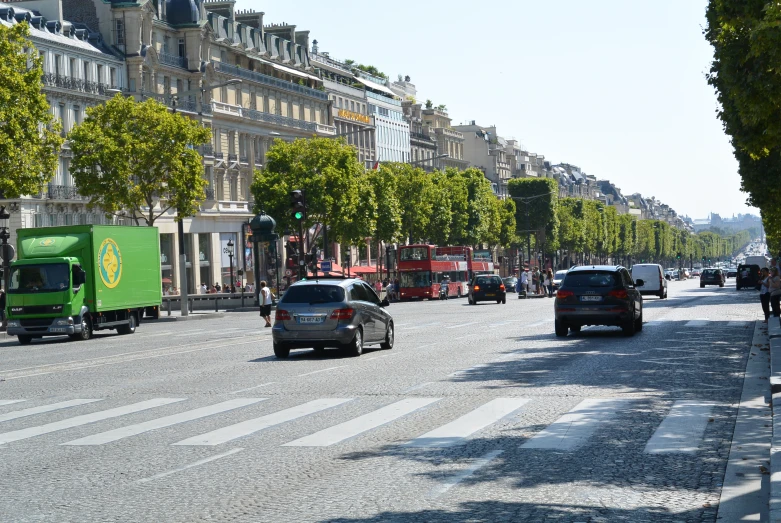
[
  {"x": 279, "y": 120},
  {"x": 207, "y": 150},
  {"x": 209, "y": 194},
  {"x": 75, "y": 84},
  {"x": 170, "y": 59},
  {"x": 243, "y": 158},
  {"x": 261, "y": 78},
  {"x": 187, "y": 105},
  {"x": 219, "y": 156},
  {"x": 232, "y": 157},
  {"x": 63, "y": 192}
]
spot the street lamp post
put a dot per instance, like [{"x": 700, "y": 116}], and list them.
[{"x": 229, "y": 251}]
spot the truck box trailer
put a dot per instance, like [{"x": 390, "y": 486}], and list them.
[{"x": 78, "y": 279}]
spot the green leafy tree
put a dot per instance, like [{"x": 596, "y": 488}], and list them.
[
  {"x": 536, "y": 198},
  {"x": 387, "y": 227},
  {"x": 139, "y": 157},
  {"x": 29, "y": 136},
  {"x": 414, "y": 193},
  {"x": 507, "y": 226},
  {"x": 441, "y": 219},
  {"x": 479, "y": 207},
  {"x": 329, "y": 173}
]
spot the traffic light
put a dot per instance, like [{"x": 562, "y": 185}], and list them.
[
  {"x": 703, "y": 258},
  {"x": 298, "y": 204},
  {"x": 678, "y": 256}
]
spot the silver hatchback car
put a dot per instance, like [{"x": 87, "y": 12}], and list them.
[{"x": 331, "y": 313}]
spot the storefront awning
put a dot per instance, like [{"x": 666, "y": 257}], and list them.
[
  {"x": 362, "y": 269},
  {"x": 295, "y": 72},
  {"x": 375, "y": 86}
]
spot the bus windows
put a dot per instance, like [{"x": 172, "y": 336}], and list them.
[{"x": 414, "y": 254}]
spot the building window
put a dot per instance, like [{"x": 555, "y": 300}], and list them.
[
  {"x": 76, "y": 115},
  {"x": 119, "y": 31},
  {"x": 166, "y": 44},
  {"x": 86, "y": 70},
  {"x": 181, "y": 48}
]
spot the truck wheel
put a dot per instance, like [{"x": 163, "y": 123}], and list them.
[
  {"x": 86, "y": 330},
  {"x": 130, "y": 328},
  {"x": 24, "y": 340}
]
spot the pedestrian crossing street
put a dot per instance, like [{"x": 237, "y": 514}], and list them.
[{"x": 680, "y": 431}]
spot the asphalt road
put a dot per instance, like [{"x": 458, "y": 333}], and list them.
[{"x": 477, "y": 414}]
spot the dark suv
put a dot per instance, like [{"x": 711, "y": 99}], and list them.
[
  {"x": 598, "y": 295},
  {"x": 487, "y": 287},
  {"x": 712, "y": 277}
]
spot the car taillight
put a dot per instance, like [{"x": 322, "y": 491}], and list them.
[
  {"x": 561, "y": 294},
  {"x": 342, "y": 314},
  {"x": 282, "y": 315},
  {"x": 620, "y": 293},
  {"x": 476, "y": 288},
  {"x": 501, "y": 287}
]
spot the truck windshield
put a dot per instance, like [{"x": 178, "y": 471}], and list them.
[{"x": 26, "y": 279}]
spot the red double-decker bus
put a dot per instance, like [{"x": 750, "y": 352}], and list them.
[{"x": 423, "y": 268}]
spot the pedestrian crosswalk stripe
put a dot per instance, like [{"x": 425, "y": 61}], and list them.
[
  {"x": 10, "y": 402},
  {"x": 17, "y": 435},
  {"x": 167, "y": 421},
  {"x": 697, "y": 323},
  {"x": 361, "y": 424},
  {"x": 245, "y": 428},
  {"x": 43, "y": 408},
  {"x": 682, "y": 429},
  {"x": 458, "y": 430},
  {"x": 575, "y": 427},
  {"x": 736, "y": 323}
]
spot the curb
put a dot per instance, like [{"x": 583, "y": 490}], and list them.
[{"x": 774, "y": 335}]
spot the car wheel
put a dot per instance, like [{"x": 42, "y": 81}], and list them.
[
  {"x": 389, "y": 337},
  {"x": 498, "y": 302},
  {"x": 130, "y": 328},
  {"x": 629, "y": 326},
  {"x": 737, "y": 287},
  {"x": 574, "y": 328},
  {"x": 639, "y": 322},
  {"x": 280, "y": 351},
  {"x": 702, "y": 285},
  {"x": 355, "y": 348},
  {"x": 721, "y": 285},
  {"x": 661, "y": 294},
  {"x": 504, "y": 300},
  {"x": 459, "y": 294},
  {"x": 560, "y": 328},
  {"x": 86, "y": 330},
  {"x": 24, "y": 340}
]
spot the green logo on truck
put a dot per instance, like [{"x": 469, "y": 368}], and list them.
[
  {"x": 47, "y": 242},
  {"x": 109, "y": 263}
]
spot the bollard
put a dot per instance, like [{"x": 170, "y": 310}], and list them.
[
  {"x": 215, "y": 303},
  {"x": 169, "y": 307},
  {"x": 189, "y": 304}
]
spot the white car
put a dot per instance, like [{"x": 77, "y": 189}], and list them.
[
  {"x": 558, "y": 276},
  {"x": 654, "y": 282}
]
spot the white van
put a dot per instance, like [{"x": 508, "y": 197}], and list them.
[{"x": 653, "y": 278}]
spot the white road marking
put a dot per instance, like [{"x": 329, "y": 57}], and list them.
[
  {"x": 458, "y": 430},
  {"x": 702, "y": 322},
  {"x": 166, "y": 421},
  {"x": 31, "y": 432},
  {"x": 189, "y": 466},
  {"x": 29, "y": 375},
  {"x": 145, "y": 335},
  {"x": 321, "y": 370},
  {"x": 676, "y": 363},
  {"x": 10, "y": 402},
  {"x": 682, "y": 428},
  {"x": 44, "y": 408},
  {"x": 245, "y": 428},
  {"x": 460, "y": 325},
  {"x": 361, "y": 424},
  {"x": 575, "y": 427},
  {"x": 464, "y": 474},
  {"x": 253, "y": 388}
]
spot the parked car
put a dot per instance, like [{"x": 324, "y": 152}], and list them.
[
  {"x": 487, "y": 287},
  {"x": 748, "y": 277},
  {"x": 558, "y": 276},
  {"x": 654, "y": 282},
  {"x": 510, "y": 283},
  {"x": 696, "y": 273},
  {"x": 712, "y": 277},
  {"x": 331, "y": 313},
  {"x": 599, "y": 295}
]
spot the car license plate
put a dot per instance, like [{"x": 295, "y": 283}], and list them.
[
  {"x": 490, "y": 294},
  {"x": 310, "y": 319},
  {"x": 591, "y": 298},
  {"x": 57, "y": 329}
]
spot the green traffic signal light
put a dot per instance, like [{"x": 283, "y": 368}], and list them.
[{"x": 298, "y": 215}]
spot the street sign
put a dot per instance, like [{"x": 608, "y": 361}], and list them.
[
  {"x": 288, "y": 272},
  {"x": 325, "y": 266},
  {"x": 7, "y": 252}
]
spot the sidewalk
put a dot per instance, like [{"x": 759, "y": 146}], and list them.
[{"x": 774, "y": 342}]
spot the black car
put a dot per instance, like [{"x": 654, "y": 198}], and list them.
[
  {"x": 712, "y": 277},
  {"x": 487, "y": 287},
  {"x": 510, "y": 283},
  {"x": 748, "y": 277},
  {"x": 598, "y": 295}
]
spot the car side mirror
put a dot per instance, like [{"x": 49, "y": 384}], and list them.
[
  {"x": 384, "y": 303},
  {"x": 639, "y": 283}
]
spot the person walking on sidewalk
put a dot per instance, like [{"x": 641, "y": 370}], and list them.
[
  {"x": 265, "y": 303},
  {"x": 774, "y": 284},
  {"x": 764, "y": 292},
  {"x": 549, "y": 283}
]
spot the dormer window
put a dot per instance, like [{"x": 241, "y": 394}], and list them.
[{"x": 119, "y": 31}]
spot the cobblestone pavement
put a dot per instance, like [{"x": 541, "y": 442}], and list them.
[{"x": 477, "y": 414}]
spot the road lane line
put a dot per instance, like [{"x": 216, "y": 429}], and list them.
[
  {"x": 10, "y": 402},
  {"x": 321, "y": 370},
  {"x": 464, "y": 474},
  {"x": 245, "y": 428},
  {"x": 361, "y": 424},
  {"x": 576, "y": 426},
  {"x": 457, "y": 431},
  {"x": 44, "y": 408},
  {"x": 166, "y": 421},
  {"x": 253, "y": 388},
  {"x": 462, "y": 325},
  {"x": 682, "y": 429},
  {"x": 31, "y": 432},
  {"x": 28, "y": 375},
  {"x": 189, "y": 466}
]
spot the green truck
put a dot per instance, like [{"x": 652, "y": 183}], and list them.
[{"x": 78, "y": 279}]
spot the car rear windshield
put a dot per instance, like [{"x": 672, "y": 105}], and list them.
[
  {"x": 487, "y": 280},
  {"x": 591, "y": 279},
  {"x": 709, "y": 272},
  {"x": 313, "y": 294}
]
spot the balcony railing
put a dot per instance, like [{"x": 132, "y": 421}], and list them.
[
  {"x": 382, "y": 98},
  {"x": 243, "y": 158},
  {"x": 75, "y": 84},
  {"x": 421, "y": 136},
  {"x": 170, "y": 59},
  {"x": 219, "y": 156},
  {"x": 209, "y": 194},
  {"x": 268, "y": 80},
  {"x": 63, "y": 192},
  {"x": 232, "y": 157},
  {"x": 326, "y": 129},
  {"x": 187, "y": 105},
  {"x": 207, "y": 150},
  {"x": 315, "y": 57},
  {"x": 279, "y": 120}
]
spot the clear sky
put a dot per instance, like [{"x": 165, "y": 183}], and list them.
[{"x": 615, "y": 87}]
